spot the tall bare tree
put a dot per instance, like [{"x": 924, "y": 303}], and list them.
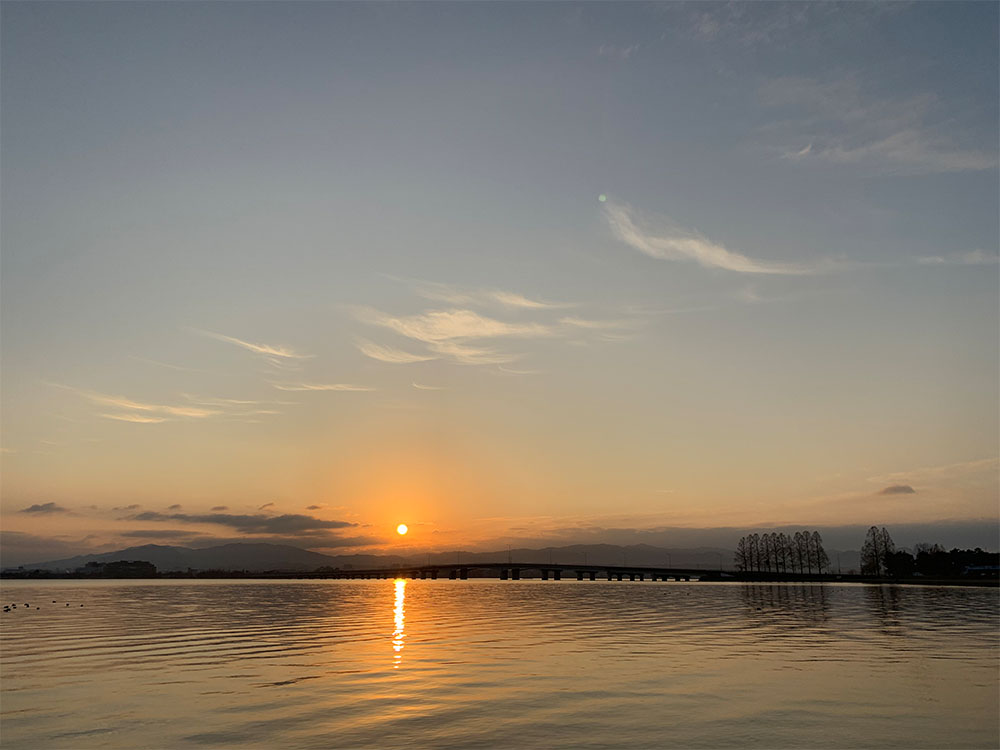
[
  {"x": 799, "y": 551},
  {"x": 875, "y": 551},
  {"x": 742, "y": 557},
  {"x": 819, "y": 554}
]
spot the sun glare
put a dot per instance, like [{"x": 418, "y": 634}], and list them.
[{"x": 401, "y": 529}]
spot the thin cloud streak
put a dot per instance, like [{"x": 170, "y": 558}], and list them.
[
  {"x": 234, "y": 402},
  {"x": 145, "y": 410},
  {"x": 470, "y": 355},
  {"x": 163, "y": 364},
  {"x": 443, "y": 325},
  {"x": 321, "y": 387},
  {"x": 511, "y": 371},
  {"x": 671, "y": 243},
  {"x": 842, "y": 122},
  {"x": 390, "y": 354},
  {"x": 512, "y": 299},
  {"x": 595, "y": 325},
  {"x": 140, "y": 412},
  {"x": 192, "y": 412},
  {"x": 971, "y": 258},
  {"x": 280, "y": 352},
  {"x": 455, "y": 296},
  {"x": 137, "y": 418},
  {"x": 448, "y": 332},
  {"x": 945, "y": 472}
]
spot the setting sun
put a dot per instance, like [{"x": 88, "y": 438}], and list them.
[{"x": 401, "y": 529}]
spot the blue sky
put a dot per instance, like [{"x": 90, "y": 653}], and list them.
[{"x": 349, "y": 262}]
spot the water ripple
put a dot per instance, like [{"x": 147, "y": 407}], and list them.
[{"x": 490, "y": 663}]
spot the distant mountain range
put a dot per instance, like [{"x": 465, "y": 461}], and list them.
[{"x": 258, "y": 557}]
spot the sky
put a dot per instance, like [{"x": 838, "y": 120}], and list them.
[{"x": 500, "y": 271}]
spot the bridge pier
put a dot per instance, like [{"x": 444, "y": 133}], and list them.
[
  {"x": 423, "y": 575},
  {"x": 545, "y": 574},
  {"x": 515, "y": 574},
  {"x": 503, "y": 574},
  {"x": 452, "y": 574},
  {"x": 557, "y": 574},
  {"x": 463, "y": 574},
  {"x": 593, "y": 575},
  {"x": 579, "y": 575},
  {"x": 631, "y": 576},
  {"x": 434, "y": 574}
]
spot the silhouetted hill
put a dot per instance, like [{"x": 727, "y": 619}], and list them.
[
  {"x": 261, "y": 556},
  {"x": 236, "y": 556}
]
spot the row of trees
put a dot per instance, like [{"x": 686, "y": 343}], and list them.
[
  {"x": 879, "y": 557},
  {"x": 779, "y": 553}
]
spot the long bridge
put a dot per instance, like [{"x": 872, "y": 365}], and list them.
[{"x": 514, "y": 571}]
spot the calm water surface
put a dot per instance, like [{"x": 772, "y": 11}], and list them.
[{"x": 170, "y": 664}]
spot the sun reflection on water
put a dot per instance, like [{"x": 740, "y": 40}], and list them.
[{"x": 399, "y": 616}]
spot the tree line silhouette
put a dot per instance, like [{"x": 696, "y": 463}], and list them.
[
  {"x": 879, "y": 557},
  {"x": 802, "y": 552}
]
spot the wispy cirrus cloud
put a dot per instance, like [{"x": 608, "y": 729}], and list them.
[
  {"x": 390, "y": 354},
  {"x": 970, "y": 258},
  {"x": 751, "y": 25},
  {"x": 845, "y": 121},
  {"x": 596, "y": 325},
  {"x": 267, "y": 350},
  {"x": 241, "y": 408},
  {"x": 420, "y": 387},
  {"x": 512, "y": 371},
  {"x": 346, "y": 387},
  {"x": 472, "y": 355},
  {"x": 140, "y": 411},
  {"x": 143, "y": 412},
  {"x": 167, "y": 365},
  {"x": 137, "y": 418},
  {"x": 463, "y": 335},
  {"x": 668, "y": 242},
  {"x": 451, "y": 333},
  {"x": 618, "y": 52},
  {"x": 232, "y": 402},
  {"x": 459, "y": 296},
  {"x": 946, "y": 473},
  {"x": 512, "y": 299},
  {"x": 445, "y": 325},
  {"x": 191, "y": 412}
]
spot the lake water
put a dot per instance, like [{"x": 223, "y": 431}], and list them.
[{"x": 486, "y": 663}]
